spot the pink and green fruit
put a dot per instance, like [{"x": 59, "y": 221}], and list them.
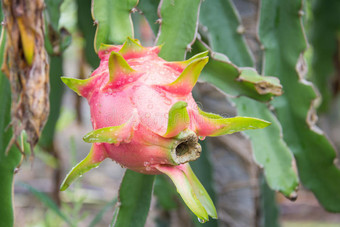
[{"x": 145, "y": 118}]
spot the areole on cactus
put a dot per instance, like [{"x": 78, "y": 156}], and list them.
[{"x": 145, "y": 118}]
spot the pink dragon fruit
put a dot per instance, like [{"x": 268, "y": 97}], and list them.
[{"x": 145, "y": 118}]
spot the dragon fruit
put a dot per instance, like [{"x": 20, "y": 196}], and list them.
[{"x": 145, "y": 118}]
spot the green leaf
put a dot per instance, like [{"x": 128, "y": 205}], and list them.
[
  {"x": 113, "y": 21},
  {"x": 101, "y": 213},
  {"x": 178, "y": 27},
  {"x": 88, "y": 163},
  {"x": 325, "y": 27},
  {"x": 188, "y": 189},
  {"x": 270, "y": 151},
  {"x": 215, "y": 125},
  {"x": 283, "y": 39},
  {"x": 47, "y": 201},
  {"x": 178, "y": 119},
  {"x": 220, "y": 17},
  {"x": 131, "y": 46},
  {"x": 118, "y": 66},
  {"x": 149, "y": 9},
  {"x": 8, "y": 162},
  {"x": 116, "y": 134},
  {"x": 188, "y": 78},
  {"x": 201, "y": 193},
  {"x": 134, "y": 196},
  {"x": 77, "y": 85}
]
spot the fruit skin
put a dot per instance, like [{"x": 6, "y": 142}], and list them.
[{"x": 145, "y": 118}]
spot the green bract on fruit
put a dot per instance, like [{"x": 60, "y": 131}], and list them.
[{"x": 145, "y": 118}]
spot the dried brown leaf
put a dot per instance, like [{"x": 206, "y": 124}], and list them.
[{"x": 26, "y": 66}]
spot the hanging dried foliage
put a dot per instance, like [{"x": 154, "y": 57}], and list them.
[{"x": 26, "y": 66}]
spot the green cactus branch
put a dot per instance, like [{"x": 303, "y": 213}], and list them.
[
  {"x": 134, "y": 199},
  {"x": 149, "y": 10},
  {"x": 324, "y": 38},
  {"x": 9, "y": 162},
  {"x": 219, "y": 14},
  {"x": 283, "y": 39},
  {"x": 178, "y": 27},
  {"x": 236, "y": 81},
  {"x": 270, "y": 151},
  {"x": 113, "y": 20}
]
